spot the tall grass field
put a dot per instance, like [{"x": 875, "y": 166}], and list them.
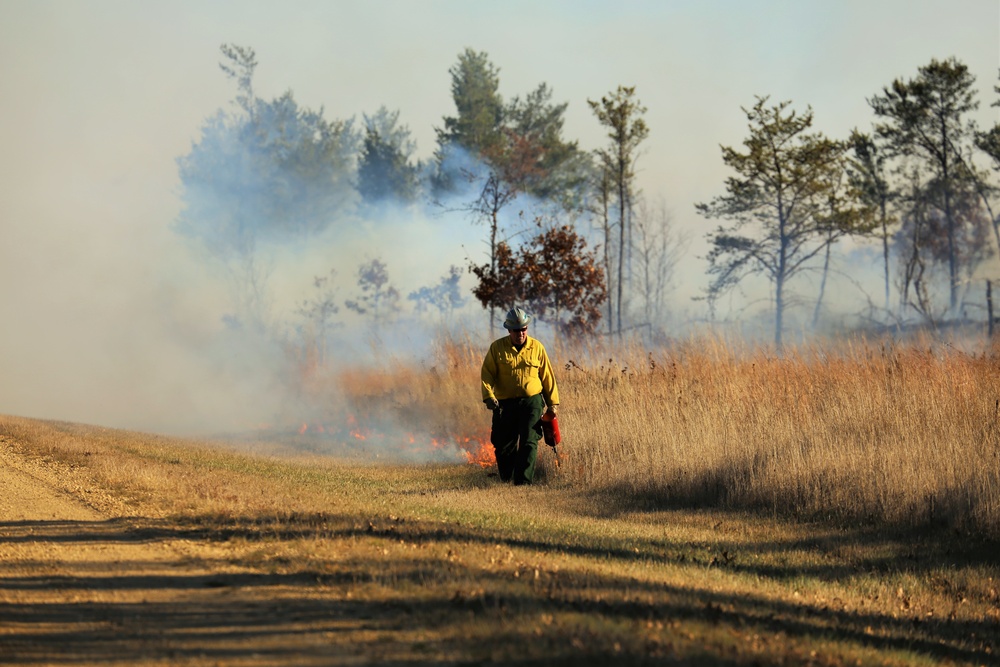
[{"x": 877, "y": 433}]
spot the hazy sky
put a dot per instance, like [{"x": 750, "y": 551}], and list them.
[{"x": 100, "y": 303}]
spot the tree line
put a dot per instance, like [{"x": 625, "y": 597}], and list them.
[
  {"x": 912, "y": 182},
  {"x": 567, "y": 231}
]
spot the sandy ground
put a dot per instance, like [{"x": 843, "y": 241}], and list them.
[{"x": 78, "y": 587}]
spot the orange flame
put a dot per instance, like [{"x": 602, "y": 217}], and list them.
[
  {"x": 480, "y": 452},
  {"x": 476, "y": 450}
]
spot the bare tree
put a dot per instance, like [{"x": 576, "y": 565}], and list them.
[
  {"x": 659, "y": 246},
  {"x": 601, "y": 210},
  {"x": 318, "y": 313}
]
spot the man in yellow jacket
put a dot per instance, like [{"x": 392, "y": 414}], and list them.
[{"x": 518, "y": 384}]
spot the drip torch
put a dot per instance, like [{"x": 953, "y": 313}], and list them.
[{"x": 550, "y": 431}]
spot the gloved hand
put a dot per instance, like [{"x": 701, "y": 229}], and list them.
[
  {"x": 491, "y": 404},
  {"x": 551, "y": 410}
]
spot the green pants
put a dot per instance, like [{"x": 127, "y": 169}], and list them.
[{"x": 517, "y": 427}]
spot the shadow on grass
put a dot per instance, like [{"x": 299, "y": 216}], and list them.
[
  {"x": 302, "y": 612},
  {"x": 846, "y": 552},
  {"x": 731, "y": 488}
]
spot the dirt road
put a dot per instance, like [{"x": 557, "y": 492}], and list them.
[{"x": 80, "y": 587}]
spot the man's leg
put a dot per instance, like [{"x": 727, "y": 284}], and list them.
[
  {"x": 529, "y": 432},
  {"x": 503, "y": 435}
]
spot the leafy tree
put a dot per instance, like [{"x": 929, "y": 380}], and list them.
[
  {"x": 499, "y": 284},
  {"x": 446, "y": 297},
  {"x": 482, "y": 131},
  {"x": 564, "y": 282},
  {"x": 989, "y": 140},
  {"x": 989, "y": 143},
  {"x": 503, "y": 150},
  {"x": 554, "y": 273},
  {"x": 273, "y": 172},
  {"x": 778, "y": 203},
  {"x": 240, "y": 64},
  {"x": 385, "y": 172},
  {"x": 475, "y": 83},
  {"x": 622, "y": 114},
  {"x": 475, "y": 86},
  {"x": 925, "y": 119},
  {"x": 562, "y": 167},
  {"x": 377, "y": 297}
]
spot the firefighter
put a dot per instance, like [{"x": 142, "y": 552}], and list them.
[{"x": 518, "y": 385}]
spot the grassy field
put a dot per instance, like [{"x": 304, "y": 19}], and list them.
[{"x": 713, "y": 507}]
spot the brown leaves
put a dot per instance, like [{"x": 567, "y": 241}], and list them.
[{"x": 554, "y": 273}]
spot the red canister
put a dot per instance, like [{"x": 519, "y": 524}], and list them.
[{"x": 550, "y": 429}]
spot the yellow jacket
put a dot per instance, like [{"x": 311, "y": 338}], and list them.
[{"x": 508, "y": 373}]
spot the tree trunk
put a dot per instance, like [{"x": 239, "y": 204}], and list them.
[
  {"x": 885, "y": 254},
  {"x": 779, "y": 293},
  {"x": 950, "y": 221},
  {"x": 780, "y": 274},
  {"x": 621, "y": 238},
  {"x": 607, "y": 256},
  {"x": 989, "y": 309},
  {"x": 822, "y": 284},
  {"x": 779, "y": 310},
  {"x": 493, "y": 261}
]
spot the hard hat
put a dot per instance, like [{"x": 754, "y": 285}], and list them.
[{"x": 516, "y": 319}]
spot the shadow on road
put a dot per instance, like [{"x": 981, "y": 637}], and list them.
[{"x": 391, "y": 607}]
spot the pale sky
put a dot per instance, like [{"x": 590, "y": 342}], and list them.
[{"x": 101, "y": 303}]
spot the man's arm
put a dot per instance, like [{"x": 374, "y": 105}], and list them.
[
  {"x": 550, "y": 390},
  {"x": 488, "y": 375}
]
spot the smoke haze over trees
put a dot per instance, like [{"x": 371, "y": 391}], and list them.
[
  {"x": 386, "y": 172},
  {"x": 270, "y": 173}
]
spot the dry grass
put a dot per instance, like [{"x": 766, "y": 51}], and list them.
[
  {"x": 882, "y": 434},
  {"x": 904, "y": 436}
]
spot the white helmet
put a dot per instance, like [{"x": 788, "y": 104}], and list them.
[{"x": 516, "y": 319}]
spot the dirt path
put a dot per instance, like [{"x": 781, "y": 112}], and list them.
[
  {"x": 78, "y": 587},
  {"x": 27, "y": 497}
]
